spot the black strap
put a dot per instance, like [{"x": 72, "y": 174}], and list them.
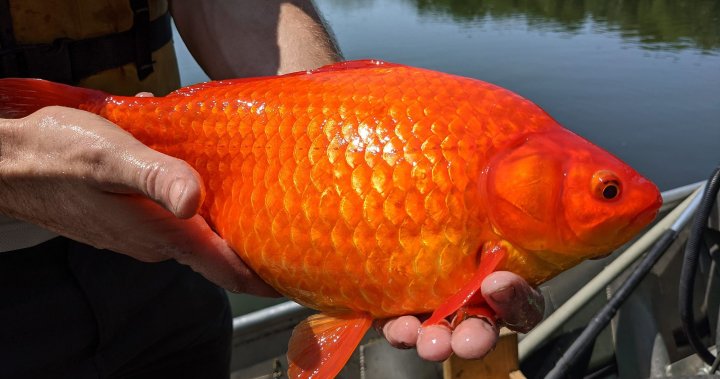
[
  {"x": 69, "y": 61},
  {"x": 141, "y": 30},
  {"x": 7, "y": 36}
]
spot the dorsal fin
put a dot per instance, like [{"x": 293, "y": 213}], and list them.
[
  {"x": 340, "y": 66},
  {"x": 353, "y": 65},
  {"x": 321, "y": 344},
  {"x": 192, "y": 89}
]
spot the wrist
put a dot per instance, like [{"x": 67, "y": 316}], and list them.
[
  {"x": 5, "y": 136},
  {"x": 8, "y": 139}
]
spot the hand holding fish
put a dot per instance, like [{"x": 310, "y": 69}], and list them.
[
  {"x": 517, "y": 304},
  {"x": 81, "y": 176}
]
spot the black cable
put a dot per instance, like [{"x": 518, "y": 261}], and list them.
[
  {"x": 609, "y": 370},
  {"x": 603, "y": 317},
  {"x": 715, "y": 365},
  {"x": 687, "y": 275}
]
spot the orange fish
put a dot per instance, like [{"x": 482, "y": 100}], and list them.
[{"x": 369, "y": 189}]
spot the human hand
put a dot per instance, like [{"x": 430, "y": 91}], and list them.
[
  {"x": 517, "y": 305},
  {"x": 83, "y": 177}
]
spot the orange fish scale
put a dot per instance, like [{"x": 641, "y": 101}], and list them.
[{"x": 340, "y": 189}]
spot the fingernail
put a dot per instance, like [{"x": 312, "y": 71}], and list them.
[
  {"x": 503, "y": 295},
  {"x": 177, "y": 192},
  {"x": 487, "y": 323},
  {"x": 387, "y": 324}
]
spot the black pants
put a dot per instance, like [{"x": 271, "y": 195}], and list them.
[{"x": 70, "y": 311}]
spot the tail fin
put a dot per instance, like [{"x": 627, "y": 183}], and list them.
[{"x": 20, "y": 97}]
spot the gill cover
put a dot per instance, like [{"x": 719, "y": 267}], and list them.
[{"x": 557, "y": 193}]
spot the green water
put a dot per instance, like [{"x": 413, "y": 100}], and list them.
[{"x": 640, "y": 78}]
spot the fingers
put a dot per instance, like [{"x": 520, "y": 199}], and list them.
[
  {"x": 473, "y": 338},
  {"x": 402, "y": 332},
  {"x": 518, "y": 306},
  {"x": 209, "y": 255},
  {"x": 156, "y": 235},
  {"x": 434, "y": 343}
]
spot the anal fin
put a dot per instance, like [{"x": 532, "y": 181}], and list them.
[{"x": 321, "y": 344}]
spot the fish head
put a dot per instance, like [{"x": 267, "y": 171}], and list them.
[{"x": 559, "y": 196}]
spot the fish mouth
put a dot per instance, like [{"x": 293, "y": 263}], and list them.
[
  {"x": 633, "y": 227},
  {"x": 646, "y": 216},
  {"x": 601, "y": 256}
]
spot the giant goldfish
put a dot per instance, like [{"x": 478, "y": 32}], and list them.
[{"x": 368, "y": 189}]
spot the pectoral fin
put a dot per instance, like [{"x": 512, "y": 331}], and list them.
[
  {"x": 492, "y": 256},
  {"x": 321, "y": 344}
]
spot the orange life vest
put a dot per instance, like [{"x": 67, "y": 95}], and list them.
[
  {"x": 33, "y": 34},
  {"x": 47, "y": 36}
]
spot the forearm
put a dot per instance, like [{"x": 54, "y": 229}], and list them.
[
  {"x": 253, "y": 37},
  {"x": 7, "y": 134}
]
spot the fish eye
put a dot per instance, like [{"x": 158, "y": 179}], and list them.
[
  {"x": 606, "y": 185},
  {"x": 610, "y": 191}
]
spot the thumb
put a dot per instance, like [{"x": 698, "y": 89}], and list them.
[
  {"x": 173, "y": 184},
  {"x": 180, "y": 190},
  {"x": 208, "y": 254},
  {"x": 519, "y": 306},
  {"x": 166, "y": 180}
]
